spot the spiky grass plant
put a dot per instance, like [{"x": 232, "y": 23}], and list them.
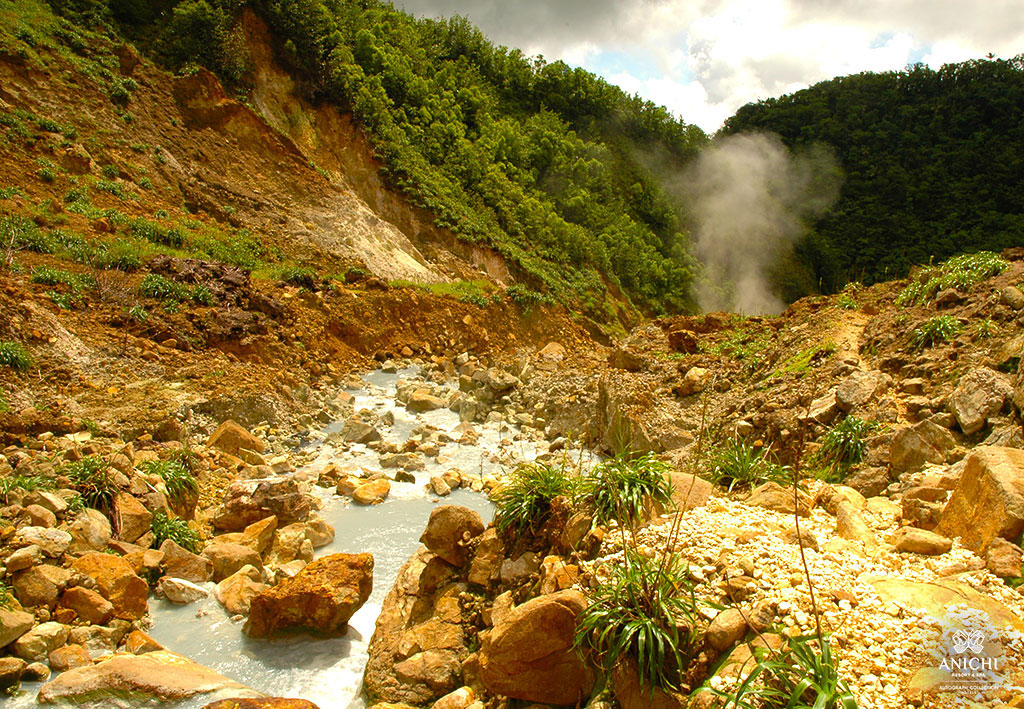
[
  {"x": 90, "y": 476},
  {"x": 621, "y": 487},
  {"x": 647, "y": 611},
  {"x": 177, "y": 530},
  {"x": 941, "y": 328},
  {"x": 843, "y": 446},
  {"x": 525, "y": 501},
  {"x": 738, "y": 464},
  {"x": 14, "y": 355},
  {"x": 176, "y": 476}
]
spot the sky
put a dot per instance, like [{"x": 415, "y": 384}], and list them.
[{"x": 703, "y": 59}]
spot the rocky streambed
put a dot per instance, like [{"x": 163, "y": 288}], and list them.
[{"x": 365, "y": 482}]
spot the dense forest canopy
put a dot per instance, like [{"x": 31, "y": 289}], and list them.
[
  {"x": 554, "y": 167},
  {"x": 933, "y": 159}
]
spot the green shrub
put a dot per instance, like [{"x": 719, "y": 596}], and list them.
[
  {"x": 620, "y": 488},
  {"x": 646, "y": 611},
  {"x": 156, "y": 234},
  {"x": 525, "y": 297},
  {"x": 74, "y": 282},
  {"x": 941, "y": 328},
  {"x": 846, "y": 302},
  {"x": 120, "y": 90},
  {"x": 162, "y": 288},
  {"x": 961, "y": 272},
  {"x": 117, "y": 255},
  {"x": 110, "y": 171},
  {"x": 76, "y": 194},
  {"x": 25, "y": 482},
  {"x": 737, "y": 464},
  {"x": 14, "y": 355},
  {"x": 176, "y": 476},
  {"x": 524, "y": 502},
  {"x": 800, "y": 677},
  {"x": 177, "y": 530},
  {"x": 90, "y": 476},
  {"x": 844, "y": 445},
  {"x": 111, "y": 188},
  {"x": 145, "y": 183},
  {"x": 47, "y": 171},
  {"x": 24, "y": 234},
  {"x": 301, "y": 276}
]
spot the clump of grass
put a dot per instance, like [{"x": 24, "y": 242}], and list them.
[
  {"x": 301, "y": 276},
  {"x": 737, "y": 464},
  {"x": 647, "y": 611},
  {"x": 846, "y": 302},
  {"x": 90, "y": 476},
  {"x": 177, "y": 530},
  {"x": 526, "y": 298},
  {"x": 941, "y": 328},
  {"x": 176, "y": 476},
  {"x": 47, "y": 171},
  {"x": 6, "y": 596},
  {"x": 120, "y": 90},
  {"x": 843, "y": 446},
  {"x": 22, "y": 233},
  {"x": 961, "y": 272},
  {"x": 156, "y": 234},
  {"x": 119, "y": 255},
  {"x": 27, "y": 483},
  {"x": 162, "y": 288},
  {"x": 984, "y": 329},
  {"x": 472, "y": 292},
  {"x": 803, "y": 675},
  {"x": 525, "y": 501},
  {"x": 802, "y": 361},
  {"x": 621, "y": 488},
  {"x": 14, "y": 355}
]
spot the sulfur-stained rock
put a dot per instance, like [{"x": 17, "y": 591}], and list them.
[
  {"x": 88, "y": 605},
  {"x": 40, "y": 585},
  {"x": 183, "y": 564},
  {"x": 230, "y": 438},
  {"x": 236, "y": 592},
  {"x": 116, "y": 581},
  {"x": 530, "y": 654},
  {"x": 322, "y": 597},
  {"x": 373, "y": 492},
  {"x": 988, "y": 500},
  {"x": 448, "y": 530},
  {"x": 134, "y": 519},
  {"x": 68, "y": 657},
  {"x": 38, "y": 643},
  {"x": 227, "y": 558}
]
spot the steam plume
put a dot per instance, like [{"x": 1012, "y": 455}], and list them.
[{"x": 748, "y": 197}]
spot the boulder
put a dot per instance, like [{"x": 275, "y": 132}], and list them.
[
  {"x": 448, "y": 530},
  {"x": 88, "y": 605},
  {"x": 117, "y": 582},
  {"x": 230, "y": 438},
  {"x": 53, "y": 542},
  {"x": 925, "y": 442},
  {"x": 244, "y": 506},
  {"x": 627, "y": 359},
  {"x": 132, "y": 517},
  {"x": 727, "y": 629},
  {"x": 11, "y": 670},
  {"x": 38, "y": 643},
  {"x": 422, "y": 400},
  {"x": 138, "y": 643},
  {"x": 183, "y": 564},
  {"x": 690, "y": 491},
  {"x": 631, "y": 693},
  {"x": 773, "y": 496},
  {"x": 824, "y": 409},
  {"x": 40, "y": 585},
  {"x": 68, "y": 657},
  {"x": 921, "y": 541},
  {"x": 500, "y": 381},
  {"x": 89, "y": 532},
  {"x": 694, "y": 381},
  {"x": 850, "y": 525},
  {"x": 227, "y": 558},
  {"x": 530, "y": 654},
  {"x": 39, "y": 516},
  {"x": 681, "y": 339},
  {"x": 236, "y": 592},
  {"x": 373, "y": 492},
  {"x": 159, "y": 676},
  {"x": 860, "y": 388},
  {"x": 357, "y": 430},
  {"x": 322, "y": 597},
  {"x": 24, "y": 558},
  {"x": 487, "y": 562},
  {"x": 1004, "y": 559},
  {"x": 943, "y": 600},
  {"x": 980, "y": 395},
  {"x": 13, "y": 624},
  {"x": 180, "y": 590},
  {"x": 290, "y": 543},
  {"x": 988, "y": 500},
  {"x": 461, "y": 698}
]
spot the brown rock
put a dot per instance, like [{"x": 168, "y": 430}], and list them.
[
  {"x": 850, "y": 525},
  {"x": 11, "y": 669},
  {"x": 773, "y": 496},
  {"x": 979, "y": 396},
  {"x": 373, "y": 492},
  {"x": 634, "y": 694},
  {"x": 530, "y": 654},
  {"x": 39, "y": 516},
  {"x": 117, "y": 582},
  {"x": 682, "y": 340},
  {"x": 988, "y": 501},
  {"x": 243, "y": 506},
  {"x": 230, "y": 438},
  {"x": 138, "y": 643},
  {"x": 236, "y": 592},
  {"x": 727, "y": 629},
  {"x": 227, "y": 558},
  {"x": 133, "y": 519},
  {"x": 13, "y": 624},
  {"x": 448, "y": 530},
  {"x": 925, "y": 442},
  {"x": 1004, "y": 559},
  {"x": 183, "y": 564},
  {"x": 487, "y": 561},
  {"x": 321, "y": 597},
  {"x": 40, "y": 585},
  {"x": 422, "y": 400},
  {"x": 87, "y": 605},
  {"x": 860, "y": 388},
  {"x": 160, "y": 676},
  {"x": 68, "y": 657},
  {"x": 690, "y": 491},
  {"x": 921, "y": 541}
]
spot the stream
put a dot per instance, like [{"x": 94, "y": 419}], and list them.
[{"x": 328, "y": 670}]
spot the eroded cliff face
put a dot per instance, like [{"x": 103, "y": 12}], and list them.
[{"x": 393, "y": 236}]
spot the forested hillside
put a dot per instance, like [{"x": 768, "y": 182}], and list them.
[
  {"x": 552, "y": 166},
  {"x": 934, "y": 164}
]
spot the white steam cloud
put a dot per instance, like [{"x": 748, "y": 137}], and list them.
[{"x": 748, "y": 198}]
